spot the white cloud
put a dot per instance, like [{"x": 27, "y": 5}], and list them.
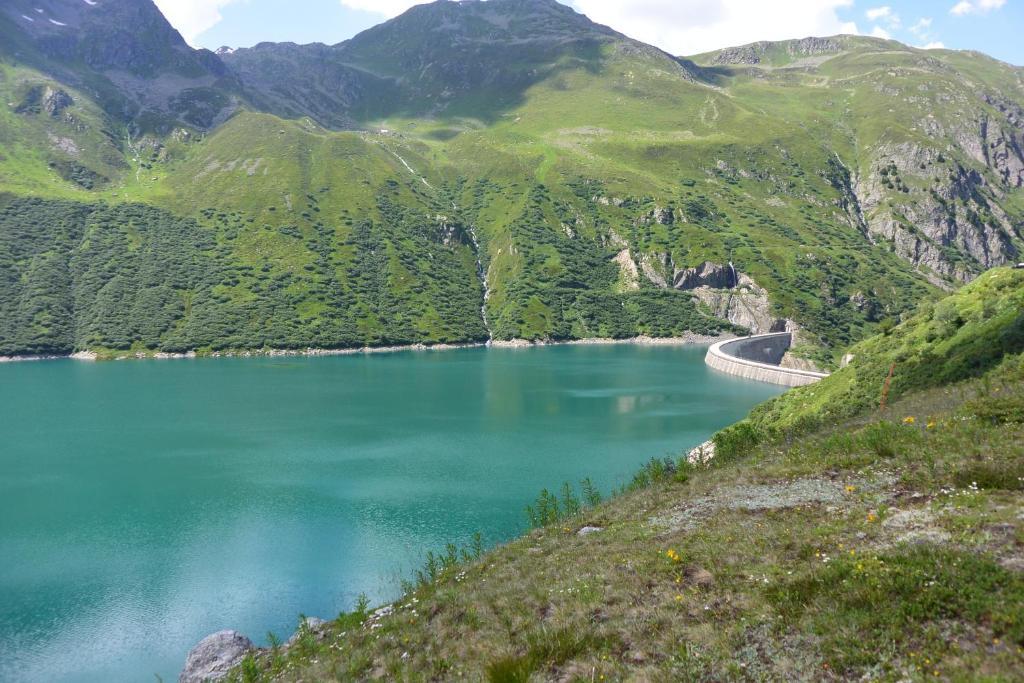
[
  {"x": 975, "y": 7},
  {"x": 192, "y": 17},
  {"x": 876, "y": 13},
  {"x": 922, "y": 26},
  {"x": 922, "y": 32},
  {"x": 692, "y": 26},
  {"x": 885, "y": 15},
  {"x": 385, "y": 8},
  {"x": 879, "y": 32}
]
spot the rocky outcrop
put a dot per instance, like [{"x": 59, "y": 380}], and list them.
[
  {"x": 658, "y": 215},
  {"x": 746, "y": 54},
  {"x": 629, "y": 276},
  {"x": 46, "y": 99},
  {"x": 753, "y": 54},
  {"x": 707, "y": 274},
  {"x": 952, "y": 230},
  {"x": 656, "y": 268},
  {"x": 1005, "y": 151},
  {"x": 725, "y": 292},
  {"x": 746, "y": 305},
  {"x": 215, "y": 656},
  {"x": 702, "y": 454},
  {"x": 55, "y": 101}
]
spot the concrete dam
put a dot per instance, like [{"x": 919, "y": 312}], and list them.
[{"x": 759, "y": 358}]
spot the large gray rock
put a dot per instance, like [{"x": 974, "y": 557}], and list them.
[{"x": 214, "y": 656}]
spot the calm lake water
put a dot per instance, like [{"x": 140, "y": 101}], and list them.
[{"x": 146, "y": 504}]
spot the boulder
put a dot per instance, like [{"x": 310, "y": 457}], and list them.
[
  {"x": 215, "y": 656},
  {"x": 587, "y": 530},
  {"x": 702, "y": 454}
]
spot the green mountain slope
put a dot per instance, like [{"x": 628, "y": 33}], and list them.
[
  {"x": 962, "y": 336},
  {"x": 873, "y": 544},
  {"x": 567, "y": 180}
]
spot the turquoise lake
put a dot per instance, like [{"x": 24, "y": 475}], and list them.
[{"x": 146, "y": 504}]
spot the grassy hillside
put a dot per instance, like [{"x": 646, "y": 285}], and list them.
[
  {"x": 964, "y": 335},
  {"x": 883, "y": 545}
]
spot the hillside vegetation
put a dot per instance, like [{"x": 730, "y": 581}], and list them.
[
  {"x": 510, "y": 170},
  {"x": 878, "y": 544}
]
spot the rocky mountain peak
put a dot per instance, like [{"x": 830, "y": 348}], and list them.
[
  {"x": 130, "y": 36},
  {"x": 126, "y": 52},
  {"x": 451, "y": 24},
  {"x": 426, "y": 59}
]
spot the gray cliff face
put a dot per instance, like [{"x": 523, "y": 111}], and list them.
[
  {"x": 707, "y": 274},
  {"x": 941, "y": 188},
  {"x": 747, "y": 306},
  {"x": 722, "y": 290},
  {"x": 939, "y": 214}
]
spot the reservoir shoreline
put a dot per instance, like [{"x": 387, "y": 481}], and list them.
[{"x": 687, "y": 339}]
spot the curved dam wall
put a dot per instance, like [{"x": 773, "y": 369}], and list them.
[{"x": 758, "y": 358}]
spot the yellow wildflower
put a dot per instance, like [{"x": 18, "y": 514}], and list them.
[
  {"x": 909, "y": 420},
  {"x": 850, "y": 488}
]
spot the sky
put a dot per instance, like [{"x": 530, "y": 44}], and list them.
[{"x": 681, "y": 27}]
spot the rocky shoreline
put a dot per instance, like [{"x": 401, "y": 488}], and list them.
[{"x": 695, "y": 339}]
